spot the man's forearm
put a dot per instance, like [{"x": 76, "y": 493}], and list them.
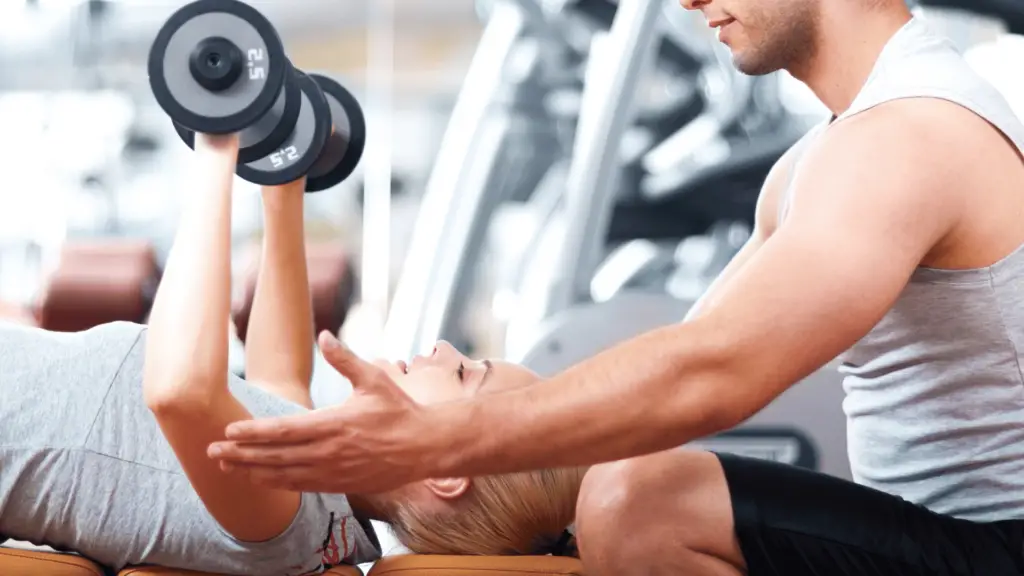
[{"x": 655, "y": 392}]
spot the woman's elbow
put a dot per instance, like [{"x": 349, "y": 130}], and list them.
[{"x": 169, "y": 396}]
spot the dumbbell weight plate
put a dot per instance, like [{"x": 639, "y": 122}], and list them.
[
  {"x": 345, "y": 144},
  {"x": 299, "y": 151},
  {"x": 239, "y": 55},
  {"x": 270, "y": 131}
]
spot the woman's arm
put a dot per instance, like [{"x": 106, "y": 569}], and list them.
[
  {"x": 279, "y": 344},
  {"x": 186, "y": 368}
]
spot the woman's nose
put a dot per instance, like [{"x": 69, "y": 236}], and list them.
[{"x": 444, "y": 351}]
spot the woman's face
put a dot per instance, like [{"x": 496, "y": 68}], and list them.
[
  {"x": 444, "y": 375},
  {"x": 447, "y": 374}
]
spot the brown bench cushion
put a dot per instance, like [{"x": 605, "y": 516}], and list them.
[
  {"x": 417, "y": 565},
  {"x": 155, "y": 571},
  {"x": 17, "y": 562}
]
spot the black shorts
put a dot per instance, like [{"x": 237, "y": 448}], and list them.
[{"x": 795, "y": 522}]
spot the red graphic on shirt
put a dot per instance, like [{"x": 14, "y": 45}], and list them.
[{"x": 331, "y": 554}]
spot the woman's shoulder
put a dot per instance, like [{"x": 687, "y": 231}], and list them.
[
  {"x": 15, "y": 334},
  {"x": 93, "y": 354}
]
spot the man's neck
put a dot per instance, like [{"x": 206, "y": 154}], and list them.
[{"x": 847, "y": 54}]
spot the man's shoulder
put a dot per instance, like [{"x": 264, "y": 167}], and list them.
[
  {"x": 909, "y": 142},
  {"x": 896, "y": 159},
  {"x": 925, "y": 125}
]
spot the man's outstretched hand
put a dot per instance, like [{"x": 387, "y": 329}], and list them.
[{"x": 378, "y": 440}]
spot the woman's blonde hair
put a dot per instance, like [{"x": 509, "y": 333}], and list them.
[{"x": 511, "y": 514}]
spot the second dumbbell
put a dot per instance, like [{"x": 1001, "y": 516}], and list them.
[{"x": 325, "y": 143}]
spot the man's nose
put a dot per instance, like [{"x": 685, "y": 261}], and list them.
[{"x": 694, "y": 4}]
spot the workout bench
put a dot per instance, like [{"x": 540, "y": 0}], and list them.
[{"x": 17, "y": 562}]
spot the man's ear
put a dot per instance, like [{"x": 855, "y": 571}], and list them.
[{"x": 448, "y": 488}]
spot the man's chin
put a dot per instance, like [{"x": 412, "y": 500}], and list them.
[{"x": 750, "y": 66}]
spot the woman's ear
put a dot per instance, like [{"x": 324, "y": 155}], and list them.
[{"x": 447, "y": 488}]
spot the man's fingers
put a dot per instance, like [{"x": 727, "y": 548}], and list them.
[
  {"x": 237, "y": 454},
  {"x": 292, "y": 429},
  {"x": 357, "y": 370}
]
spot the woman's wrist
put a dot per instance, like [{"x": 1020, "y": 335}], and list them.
[
  {"x": 290, "y": 194},
  {"x": 283, "y": 209}
]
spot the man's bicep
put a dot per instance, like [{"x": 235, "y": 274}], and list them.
[
  {"x": 824, "y": 279},
  {"x": 793, "y": 308}
]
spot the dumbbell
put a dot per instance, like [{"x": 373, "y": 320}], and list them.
[
  {"x": 218, "y": 67},
  {"x": 325, "y": 145}
]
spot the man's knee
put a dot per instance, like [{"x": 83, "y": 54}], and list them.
[
  {"x": 661, "y": 507},
  {"x": 653, "y": 494}
]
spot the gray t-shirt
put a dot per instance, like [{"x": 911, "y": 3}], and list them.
[{"x": 84, "y": 466}]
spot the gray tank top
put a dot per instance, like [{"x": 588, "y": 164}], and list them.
[{"x": 935, "y": 392}]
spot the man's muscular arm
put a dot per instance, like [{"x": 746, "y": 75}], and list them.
[{"x": 870, "y": 201}]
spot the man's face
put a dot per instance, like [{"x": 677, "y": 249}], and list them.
[{"x": 764, "y": 36}]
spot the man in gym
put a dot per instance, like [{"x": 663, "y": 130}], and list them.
[{"x": 889, "y": 237}]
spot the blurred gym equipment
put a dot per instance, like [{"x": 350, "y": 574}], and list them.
[
  {"x": 99, "y": 282},
  {"x": 498, "y": 143},
  {"x": 331, "y": 284}
]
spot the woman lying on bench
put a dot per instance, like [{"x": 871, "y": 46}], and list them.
[{"x": 103, "y": 433}]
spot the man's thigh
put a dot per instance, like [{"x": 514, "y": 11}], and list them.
[
  {"x": 666, "y": 511},
  {"x": 791, "y": 521}
]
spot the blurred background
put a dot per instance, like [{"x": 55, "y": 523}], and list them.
[{"x": 542, "y": 178}]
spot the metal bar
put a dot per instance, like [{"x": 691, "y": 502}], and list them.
[
  {"x": 409, "y": 320},
  {"x": 376, "y": 257},
  {"x": 615, "y": 69}
]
